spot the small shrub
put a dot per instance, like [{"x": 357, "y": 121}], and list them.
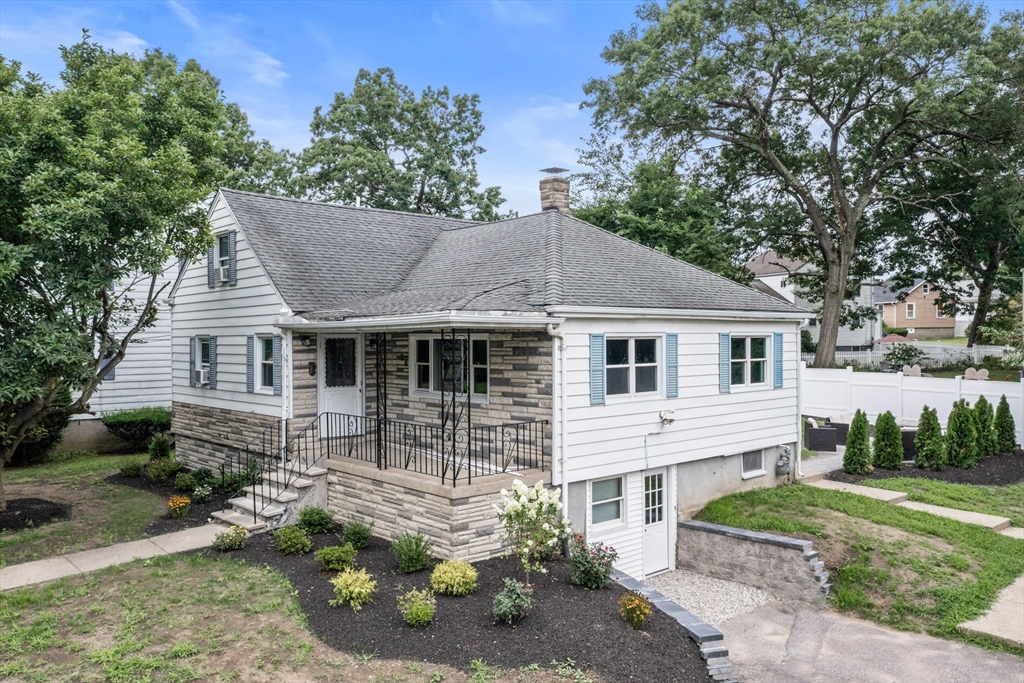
[
  {"x": 984, "y": 416},
  {"x": 335, "y": 558},
  {"x": 292, "y": 540},
  {"x": 163, "y": 469},
  {"x": 417, "y": 607},
  {"x": 203, "y": 475},
  {"x": 358, "y": 533},
  {"x": 591, "y": 565},
  {"x": 857, "y": 457},
  {"x": 230, "y": 483},
  {"x": 353, "y": 587},
  {"x": 132, "y": 468},
  {"x": 513, "y": 602},
  {"x": 179, "y": 506},
  {"x": 1006, "y": 430},
  {"x": 899, "y": 355},
  {"x": 184, "y": 482},
  {"x": 314, "y": 520},
  {"x": 888, "y": 443},
  {"x": 928, "y": 442},
  {"x": 635, "y": 609},
  {"x": 232, "y": 538},
  {"x": 202, "y": 493},
  {"x": 159, "y": 448},
  {"x": 961, "y": 436},
  {"x": 412, "y": 551},
  {"x": 137, "y": 425},
  {"x": 454, "y": 577},
  {"x": 531, "y": 527}
]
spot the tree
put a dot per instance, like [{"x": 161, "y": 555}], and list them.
[
  {"x": 857, "y": 456},
  {"x": 102, "y": 183},
  {"x": 654, "y": 207},
  {"x": 961, "y": 436},
  {"x": 250, "y": 164},
  {"x": 988, "y": 442},
  {"x": 1006, "y": 430},
  {"x": 392, "y": 150},
  {"x": 928, "y": 442},
  {"x": 809, "y": 110},
  {"x": 888, "y": 443}
]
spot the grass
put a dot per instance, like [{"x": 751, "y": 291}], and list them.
[
  {"x": 1003, "y": 501},
  {"x": 900, "y": 567},
  {"x": 102, "y": 514},
  {"x": 194, "y": 617}
]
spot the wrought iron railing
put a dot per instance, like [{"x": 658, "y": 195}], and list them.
[
  {"x": 453, "y": 455},
  {"x": 248, "y": 466}
]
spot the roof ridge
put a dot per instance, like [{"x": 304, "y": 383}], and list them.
[{"x": 553, "y": 292}]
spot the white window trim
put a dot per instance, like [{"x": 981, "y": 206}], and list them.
[
  {"x": 660, "y": 371},
  {"x": 223, "y": 260},
  {"x": 261, "y": 388},
  {"x": 938, "y": 311},
  {"x": 200, "y": 365},
  {"x": 768, "y": 351},
  {"x": 480, "y": 399},
  {"x": 910, "y": 310},
  {"x": 753, "y": 473},
  {"x": 623, "y": 513},
  {"x": 924, "y": 288}
]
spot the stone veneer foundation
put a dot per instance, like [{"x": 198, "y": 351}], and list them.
[
  {"x": 460, "y": 520},
  {"x": 204, "y": 436}
]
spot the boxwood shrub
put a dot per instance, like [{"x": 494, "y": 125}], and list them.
[{"x": 138, "y": 425}]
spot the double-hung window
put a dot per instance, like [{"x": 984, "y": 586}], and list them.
[
  {"x": 204, "y": 353},
  {"x": 265, "y": 363},
  {"x": 224, "y": 251},
  {"x": 606, "y": 501},
  {"x": 911, "y": 311},
  {"x": 748, "y": 360},
  {"x": 631, "y": 366},
  {"x": 429, "y": 366}
]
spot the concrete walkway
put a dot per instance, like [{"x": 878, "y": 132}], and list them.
[
  {"x": 792, "y": 643},
  {"x": 815, "y": 469},
  {"x": 1006, "y": 618},
  {"x": 53, "y": 568}
]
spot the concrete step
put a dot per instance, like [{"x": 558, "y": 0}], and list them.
[
  {"x": 232, "y": 518},
  {"x": 287, "y": 479},
  {"x": 246, "y": 506},
  {"x": 1014, "y": 532},
  {"x": 991, "y": 521},
  {"x": 714, "y": 652},
  {"x": 892, "y": 497},
  {"x": 307, "y": 472},
  {"x": 271, "y": 493}
]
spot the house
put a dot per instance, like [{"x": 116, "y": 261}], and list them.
[
  {"x": 774, "y": 274},
  {"x": 914, "y": 308},
  {"x": 415, "y": 365}
]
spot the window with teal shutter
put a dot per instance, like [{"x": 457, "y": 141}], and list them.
[
  {"x": 724, "y": 356},
  {"x": 777, "y": 350},
  {"x": 672, "y": 365},
  {"x": 597, "y": 369}
]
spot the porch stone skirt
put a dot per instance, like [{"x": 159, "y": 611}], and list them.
[{"x": 460, "y": 520}]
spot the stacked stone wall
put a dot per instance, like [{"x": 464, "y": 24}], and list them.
[{"x": 204, "y": 436}]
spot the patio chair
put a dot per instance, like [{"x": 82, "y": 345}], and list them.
[
  {"x": 983, "y": 374},
  {"x": 970, "y": 373},
  {"x": 821, "y": 438}
]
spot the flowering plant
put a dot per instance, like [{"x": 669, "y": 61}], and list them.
[
  {"x": 635, "y": 609},
  {"x": 179, "y": 506},
  {"x": 591, "y": 564},
  {"x": 417, "y": 607},
  {"x": 532, "y": 529}
]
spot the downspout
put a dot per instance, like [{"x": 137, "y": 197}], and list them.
[
  {"x": 286, "y": 385},
  {"x": 800, "y": 364},
  {"x": 558, "y": 410}
]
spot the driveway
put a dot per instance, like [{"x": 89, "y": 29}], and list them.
[{"x": 786, "y": 642}]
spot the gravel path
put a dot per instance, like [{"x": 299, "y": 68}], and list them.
[{"x": 713, "y": 600}]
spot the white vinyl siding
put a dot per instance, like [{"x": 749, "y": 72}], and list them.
[{"x": 230, "y": 314}]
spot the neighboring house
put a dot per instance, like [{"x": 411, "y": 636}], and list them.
[
  {"x": 425, "y": 363},
  {"x": 773, "y": 274},
  {"x": 915, "y": 308}
]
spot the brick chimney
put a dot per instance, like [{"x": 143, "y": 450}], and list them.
[{"x": 554, "y": 191}]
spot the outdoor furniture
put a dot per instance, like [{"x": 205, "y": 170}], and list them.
[
  {"x": 841, "y": 423},
  {"x": 983, "y": 374},
  {"x": 821, "y": 438},
  {"x": 909, "y": 449},
  {"x": 914, "y": 371},
  {"x": 970, "y": 373}
]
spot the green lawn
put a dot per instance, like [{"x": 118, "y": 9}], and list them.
[
  {"x": 899, "y": 567},
  {"x": 101, "y": 514},
  {"x": 1004, "y": 501}
]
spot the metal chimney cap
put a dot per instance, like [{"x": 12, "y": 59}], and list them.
[{"x": 554, "y": 170}]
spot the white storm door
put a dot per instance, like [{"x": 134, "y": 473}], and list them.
[
  {"x": 656, "y": 534},
  {"x": 341, "y": 374}
]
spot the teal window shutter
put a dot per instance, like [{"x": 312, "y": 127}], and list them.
[
  {"x": 277, "y": 365},
  {"x": 672, "y": 365},
  {"x": 232, "y": 259},
  {"x": 597, "y": 369},
  {"x": 724, "y": 351},
  {"x": 250, "y": 364},
  {"x": 211, "y": 280},
  {"x": 213, "y": 363},
  {"x": 777, "y": 350},
  {"x": 192, "y": 361}
]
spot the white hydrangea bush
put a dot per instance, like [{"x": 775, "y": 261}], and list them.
[{"x": 532, "y": 528}]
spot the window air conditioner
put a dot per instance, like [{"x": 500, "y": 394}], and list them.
[
  {"x": 202, "y": 377},
  {"x": 225, "y": 272}
]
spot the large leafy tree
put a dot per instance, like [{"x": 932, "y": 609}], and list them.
[
  {"x": 809, "y": 107},
  {"x": 101, "y": 184},
  {"x": 388, "y": 148},
  {"x": 251, "y": 164},
  {"x": 652, "y": 205}
]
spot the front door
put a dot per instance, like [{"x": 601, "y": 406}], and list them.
[
  {"x": 655, "y": 522},
  {"x": 341, "y": 374}
]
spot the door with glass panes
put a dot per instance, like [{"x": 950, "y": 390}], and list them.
[
  {"x": 656, "y": 536},
  {"x": 340, "y": 377}
]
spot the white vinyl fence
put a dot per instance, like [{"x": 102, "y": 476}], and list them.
[
  {"x": 936, "y": 354},
  {"x": 831, "y": 392}
]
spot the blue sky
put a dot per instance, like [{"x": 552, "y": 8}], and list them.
[{"x": 278, "y": 60}]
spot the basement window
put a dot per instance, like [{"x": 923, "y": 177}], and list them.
[
  {"x": 753, "y": 464},
  {"x": 606, "y": 501}
]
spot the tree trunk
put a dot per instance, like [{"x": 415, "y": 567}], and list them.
[
  {"x": 831, "y": 311},
  {"x": 981, "y": 310}
]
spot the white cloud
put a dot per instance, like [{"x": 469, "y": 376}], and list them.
[
  {"x": 122, "y": 41},
  {"x": 543, "y": 129},
  {"x": 185, "y": 15},
  {"x": 519, "y": 13}
]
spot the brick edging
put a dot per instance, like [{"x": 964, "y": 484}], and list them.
[{"x": 710, "y": 640}]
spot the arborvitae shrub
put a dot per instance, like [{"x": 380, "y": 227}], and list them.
[
  {"x": 929, "y": 444},
  {"x": 961, "y": 436},
  {"x": 1006, "y": 430},
  {"x": 985, "y": 418},
  {"x": 857, "y": 458},
  {"x": 888, "y": 443}
]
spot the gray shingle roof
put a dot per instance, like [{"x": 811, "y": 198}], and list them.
[
  {"x": 330, "y": 262},
  {"x": 770, "y": 263},
  {"x": 886, "y": 293}
]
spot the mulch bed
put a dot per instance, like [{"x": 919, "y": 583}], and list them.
[
  {"x": 566, "y": 621},
  {"x": 198, "y": 513},
  {"x": 996, "y": 470},
  {"x": 29, "y": 513}
]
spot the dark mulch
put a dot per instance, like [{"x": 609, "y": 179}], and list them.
[
  {"x": 28, "y": 513},
  {"x": 996, "y": 470},
  {"x": 198, "y": 514},
  {"x": 566, "y": 621}
]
